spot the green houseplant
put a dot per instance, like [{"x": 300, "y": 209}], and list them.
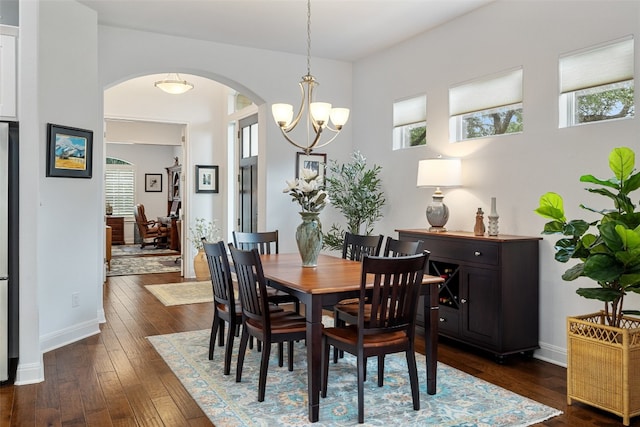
[
  {"x": 356, "y": 191},
  {"x": 611, "y": 255},
  {"x": 603, "y": 348}
]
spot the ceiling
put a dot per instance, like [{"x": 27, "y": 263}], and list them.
[{"x": 340, "y": 29}]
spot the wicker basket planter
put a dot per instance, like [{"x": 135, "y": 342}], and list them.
[{"x": 603, "y": 364}]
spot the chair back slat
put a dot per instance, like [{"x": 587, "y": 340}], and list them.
[
  {"x": 265, "y": 242},
  {"x": 251, "y": 285},
  {"x": 356, "y": 246},
  {"x": 220, "y": 270},
  {"x": 393, "y": 298}
]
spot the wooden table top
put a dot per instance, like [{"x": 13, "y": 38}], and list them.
[{"x": 332, "y": 274}]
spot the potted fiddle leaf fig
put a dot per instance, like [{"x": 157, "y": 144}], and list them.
[{"x": 602, "y": 347}]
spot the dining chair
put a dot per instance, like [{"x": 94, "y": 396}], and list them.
[
  {"x": 391, "y": 313},
  {"x": 346, "y": 311},
  {"x": 226, "y": 308},
  {"x": 257, "y": 320},
  {"x": 266, "y": 242}
]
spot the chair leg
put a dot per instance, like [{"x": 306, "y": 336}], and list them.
[
  {"x": 380, "y": 370},
  {"x": 221, "y": 334},
  {"x": 361, "y": 370},
  {"x": 228, "y": 350},
  {"x": 212, "y": 338},
  {"x": 324, "y": 379},
  {"x": 243, "y": 348},
  {"x": 290, "y": 356},
  {"x": 413, "y": 378},
  {"x": 264, "y": 365},
  {"x": 280, "y": 354}
]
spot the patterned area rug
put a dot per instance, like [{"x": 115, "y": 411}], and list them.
[
  {"x": 128, "y": 250},
  {"x": 461, "y": 399},
  {"x": 182, "y": 293},
  {"x": 126, "y": 265}
]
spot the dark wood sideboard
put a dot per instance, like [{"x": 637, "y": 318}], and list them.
[{"x": 489, "y": 298}]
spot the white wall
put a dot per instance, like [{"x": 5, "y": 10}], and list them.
[
  {"x": 65, "y": 253},
  {"x": 516, "y": 169}
]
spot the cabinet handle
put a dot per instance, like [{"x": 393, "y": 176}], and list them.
[
  {"x": 463, "y": 301},
  {"x": 477, "y": 253},
  {"x": 442, "y": 320}
]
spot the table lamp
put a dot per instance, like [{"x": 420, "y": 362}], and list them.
[{"x": 439, "y": 173}]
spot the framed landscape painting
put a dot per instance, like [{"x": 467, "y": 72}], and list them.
[
  {"x": 314, "y": 161},
  {"x": 69, "y": 152}
]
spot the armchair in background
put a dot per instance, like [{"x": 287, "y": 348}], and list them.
[{"x": 150, "y": 231}]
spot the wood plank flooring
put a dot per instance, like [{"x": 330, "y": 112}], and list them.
[{"x": 117, "y": 379}]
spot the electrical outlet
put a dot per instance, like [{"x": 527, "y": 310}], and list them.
[{"x": 75, "y": 299}]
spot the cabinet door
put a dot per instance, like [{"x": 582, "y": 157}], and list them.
[
  {"x": 480, "y": 303},
  {"x": 7, "y": 76}
]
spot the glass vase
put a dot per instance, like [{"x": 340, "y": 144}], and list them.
[{"x": 309, "y": 238}]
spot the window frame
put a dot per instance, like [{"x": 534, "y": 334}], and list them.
[
  {"x": 117, "y": 205},
  {"x": 408, "y": 114}
]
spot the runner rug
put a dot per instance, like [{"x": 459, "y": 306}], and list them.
[
  {"x": 182, "y": 293},
  {"x": 461, "y": 399}
]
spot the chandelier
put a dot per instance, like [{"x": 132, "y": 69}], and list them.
[
  {"x": 173, "y": 85},
  {"x": 317, "y": 114}
]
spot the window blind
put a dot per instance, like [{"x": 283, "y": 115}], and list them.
[
  {"x": 487, "y": 93},
  {"x": 120, "y": 189},
  {"x": 410, "y": 111},
  {"x": 602, "y": 65}
]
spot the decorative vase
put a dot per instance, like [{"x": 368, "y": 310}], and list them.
[
  {"x": 493, "y": 219},
  {"x": 201, "y": 267},
  {"x": 309, "y": 238},
  {"x": 479, "y": 228}
]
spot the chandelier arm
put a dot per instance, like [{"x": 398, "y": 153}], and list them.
[
  {"x": 304, "y": 148},
  {"x": 326, "y": 142}
]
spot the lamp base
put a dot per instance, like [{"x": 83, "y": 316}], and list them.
[
  {"x": 437, "y": 213},
  {"x": 437, "y": 230}
]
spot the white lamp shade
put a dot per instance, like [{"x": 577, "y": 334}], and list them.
[
  {"x": 320, "y": 112},
  {"x": 439, "y": 173},
  {"x": 339, "y": 116},
  {"x": 282, "y": 113}
]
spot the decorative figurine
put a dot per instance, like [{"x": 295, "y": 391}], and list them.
[
  {"x": 478, "y": 230},
  {"x": 493, "y": 219}
]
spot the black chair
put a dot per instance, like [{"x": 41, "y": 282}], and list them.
[
  {"x": 390, "y": 328},
  {"x": 226, "y": 309},
  {"x": 257, "y": 320},
  {"x": 346, "y": 311},
  {"x": 356, "y": 246},
  {"x": 266, "y": 242}
]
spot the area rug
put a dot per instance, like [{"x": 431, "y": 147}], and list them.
[
  {"x": 126, "y": 265},
  {"x": 134, "y": 250},
  {"x": 182, "y": 293},
  {"x": 461, "y": 399}
]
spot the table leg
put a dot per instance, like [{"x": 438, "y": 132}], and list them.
[
  {"x": 314, "y": 355},
  {"x": 431, "y": 320}
]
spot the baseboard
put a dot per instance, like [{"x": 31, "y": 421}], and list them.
[
  {"x": 552, "y": 354},
  {"x": 31, "y": 373},
  {"x": 70, "y": 335}
]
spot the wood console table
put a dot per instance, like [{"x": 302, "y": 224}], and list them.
[
  {"x": 117, "y": 229},
  {"x": 489, "y": 298}
]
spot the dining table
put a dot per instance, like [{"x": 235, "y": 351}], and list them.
[{"x": 322, "y": 286}]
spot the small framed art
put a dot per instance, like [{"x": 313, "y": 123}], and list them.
[
  {"x": 153, "y": 182},
  {"x": 314, "y": 161},
  {"x": 69, "y": 152},
  {"x": 206, "y": 179}
]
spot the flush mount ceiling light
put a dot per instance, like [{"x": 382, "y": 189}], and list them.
[
  {"x": 173, "y": 84},
  {"x": 317, "y": 113}
]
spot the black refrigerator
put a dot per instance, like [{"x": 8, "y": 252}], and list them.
[{"x": 8, "y": 251}]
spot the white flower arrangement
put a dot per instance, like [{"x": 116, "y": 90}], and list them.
[
  {"x": 308, "y": 191},
  {"x": 208, "y": 230}
]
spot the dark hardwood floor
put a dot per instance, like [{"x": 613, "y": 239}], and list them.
[{"x": 117, "y": 379}]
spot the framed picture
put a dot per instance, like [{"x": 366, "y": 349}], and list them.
[
  {"x": 313, "y": 161},
  {"x": 153, "y": 182},
  {"x": 69, "y": 152},
  {"x": 206, "y": 179}
]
